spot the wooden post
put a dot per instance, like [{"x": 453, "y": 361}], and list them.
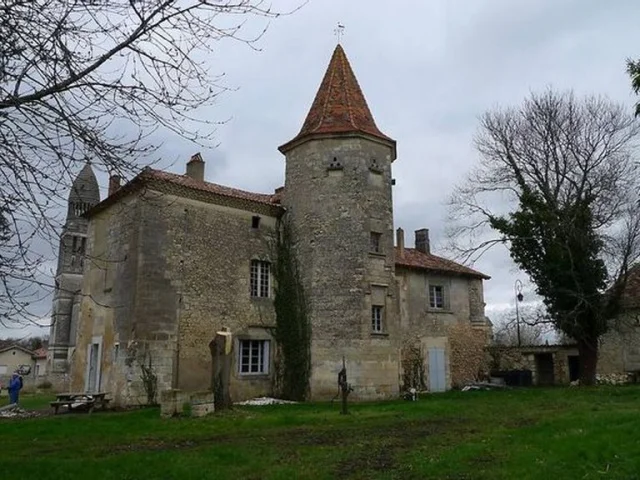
[{"x": 221, "y": 350}]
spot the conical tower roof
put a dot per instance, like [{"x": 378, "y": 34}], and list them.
[
  {"x": 339, "y": 106},
  {"x": 85, "y": 187}
]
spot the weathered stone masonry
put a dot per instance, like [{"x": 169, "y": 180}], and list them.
[{"x": 172, "y": 264}]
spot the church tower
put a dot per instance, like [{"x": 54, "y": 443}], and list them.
[
  {"x": 84, "y": 194},
  {"x": 338, "y": 198}
]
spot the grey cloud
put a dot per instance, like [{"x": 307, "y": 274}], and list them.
[{"x": 428, "y": 70}]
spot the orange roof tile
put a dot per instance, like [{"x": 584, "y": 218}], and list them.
[
  {"x": 40, "y": 353},
  {"x": 413, "y": 258},
  {"x": 149, "y": 176},
  {"x": 339, "y": 106},
  {"x": 189, "y": 182}
]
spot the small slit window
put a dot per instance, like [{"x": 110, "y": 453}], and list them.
[{"x": 376, "y": 242}]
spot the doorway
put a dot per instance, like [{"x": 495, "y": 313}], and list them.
[
  {"x": 544, "y": 369},
  {"x": 93, "y": 366},
  {"x": 437, "y": 370},
  {"x": 574, "y": 367}
]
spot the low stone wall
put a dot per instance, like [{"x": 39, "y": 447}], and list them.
[{"x": 176, "y": 402}]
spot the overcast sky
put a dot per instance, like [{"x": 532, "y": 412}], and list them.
[{"x": 428, "y": 70}]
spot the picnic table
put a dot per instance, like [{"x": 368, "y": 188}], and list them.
[{"x": 84, "y": 399}]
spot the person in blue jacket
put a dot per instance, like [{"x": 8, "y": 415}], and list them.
[{"x": 15, "y": 385}]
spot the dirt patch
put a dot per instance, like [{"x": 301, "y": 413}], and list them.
[
  {"x": 522, "y": 422},
  {"x": 381, "y": 455}
]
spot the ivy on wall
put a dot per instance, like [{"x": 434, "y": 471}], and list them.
[{"x": 293, "y": 330}]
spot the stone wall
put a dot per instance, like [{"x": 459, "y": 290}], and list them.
[
  {"x": 338, "y": 192},
  {"x": 107, "y": 304},
  {"x": 176, "y": 270},
  {"x": 525, "y": 358},
  {"x": 460, "y": 328},
  {"x": 619, "y": 350}
]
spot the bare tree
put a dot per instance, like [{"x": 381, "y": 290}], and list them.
[
  {"x": 531, "y": 323},
  {"x": 557, "y": 184},
  {"x": 95, "y": 80},
  {"x": 633, "y": 69}
]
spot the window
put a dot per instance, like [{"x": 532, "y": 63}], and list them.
[
  {"x": 37, "y": 374},
  {"x": 260, "y": 278},
  {"x": 436, "y": 296},
  {"x": 375, "y": 242},
  {"x": 3, "y": 369},
  {"x": 255, "y": 221},
  {"x": 376, "y": 319},
  {"x": 254, "y": 357}
]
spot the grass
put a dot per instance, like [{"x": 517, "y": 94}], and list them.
[{"x": 546, "y": 434}]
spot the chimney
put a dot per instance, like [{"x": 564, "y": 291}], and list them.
[
  {"x": 422, "y": 241},
  {"x": 400, "y": 242},
  {"x": 195, "y": 167},
  {"x": 114, "y": 184}
]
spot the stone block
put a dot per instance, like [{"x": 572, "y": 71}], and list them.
[
  {"x": 201, "y": 404},
  {"x": 172, "y": 402}
]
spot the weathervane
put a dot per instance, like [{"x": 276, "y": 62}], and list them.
[{"x": 339, "y": 31}]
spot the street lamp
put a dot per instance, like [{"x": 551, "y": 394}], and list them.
[{"x": 518, "y": 291}]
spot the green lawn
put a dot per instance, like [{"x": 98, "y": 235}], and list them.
[{"x": 548, "y": 434}]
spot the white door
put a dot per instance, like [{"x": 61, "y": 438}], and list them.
[
  {"x": 436, "y": 370},
  {"x": 93, "y": 383}
]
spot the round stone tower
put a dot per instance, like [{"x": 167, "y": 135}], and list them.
[
  {"x": 84, "y": 194},
  {"x": 338, "y": 198}
]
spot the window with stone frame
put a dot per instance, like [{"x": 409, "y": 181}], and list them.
[
  {"x": 377, "y": 318},
  {"x": 253, "y": 357},
  {"x": 376, "y": 242},
  {"x": 260, "y": 279},
  {"x": 437, "y": 297}
]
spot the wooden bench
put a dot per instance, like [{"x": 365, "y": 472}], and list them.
[{"x": 87, "y": 400}]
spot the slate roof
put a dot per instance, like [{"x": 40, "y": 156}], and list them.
[
  {"x": 339, "y": 105},
  {"x": 85, "y": 187},
  {"x": 413, "y": 258}
]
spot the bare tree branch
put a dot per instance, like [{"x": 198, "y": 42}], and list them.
[{"x": 97, "y": 80}]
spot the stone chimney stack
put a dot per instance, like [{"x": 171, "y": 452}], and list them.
[
  {"x": 422, "y": 241},
  {"x": 114, "y": 184},
  {"x": 400, "y": 242},
  {"x": 195, "y": 167}
]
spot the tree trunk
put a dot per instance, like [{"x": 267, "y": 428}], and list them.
[
  {"x": 588, "y": 350},
  {"x": 221, "y": 371}
]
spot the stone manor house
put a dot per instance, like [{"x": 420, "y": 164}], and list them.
[{"x": 149, "y": 274}]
